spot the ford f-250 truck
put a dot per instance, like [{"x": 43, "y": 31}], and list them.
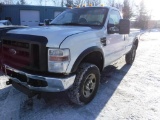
[{"x": 69, "y": 54}]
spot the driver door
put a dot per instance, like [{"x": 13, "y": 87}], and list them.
[{"x": 115, "y": 42}]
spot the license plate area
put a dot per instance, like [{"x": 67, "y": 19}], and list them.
[{"x": 20, "y": 76}]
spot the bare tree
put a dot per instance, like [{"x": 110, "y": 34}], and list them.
[
  {"x": 114, "y": 3},
  {"x": 8, "y": 1},
  {"x": 69, "y": 3},
  {"x": 96, "y": 2},
  {"x": 93, "y": 2},
  {"x": 110, "y": 3},
  {"x": 79, "y": 2},
  {"x": 21, "y": 2},
  {"x": 56, "y": 2}
]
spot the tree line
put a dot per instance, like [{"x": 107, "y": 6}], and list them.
[{"x": 130, "y": 11}]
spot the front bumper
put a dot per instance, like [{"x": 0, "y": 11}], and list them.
[{"x": 39, "y": 83}]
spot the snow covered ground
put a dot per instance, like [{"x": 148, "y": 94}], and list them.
[{"x": 126, "y": 93}]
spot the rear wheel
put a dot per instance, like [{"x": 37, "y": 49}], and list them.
[
  {"x": 86, "y": 84},
  {"x": 131, "y": 55}
]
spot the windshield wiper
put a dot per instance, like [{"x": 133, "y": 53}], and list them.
[
  {"x": 66, "y": 24},
  {"x": 54, "y": 24},
  {"x": 75, "y": 24},
  {"x": 71, "y": 24}
]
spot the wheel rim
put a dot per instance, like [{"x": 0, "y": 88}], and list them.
[{"x": 89, "y": 85}]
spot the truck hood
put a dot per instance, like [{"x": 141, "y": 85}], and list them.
[{"x": 54, "y": 34}]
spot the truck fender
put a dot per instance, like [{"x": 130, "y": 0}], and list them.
[{"x": 84, "y": 54}]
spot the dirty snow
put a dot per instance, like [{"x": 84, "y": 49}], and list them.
[{"x": 126, "y": 93}]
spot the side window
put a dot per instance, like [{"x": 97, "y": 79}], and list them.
[{"x": 114, "y": 17}]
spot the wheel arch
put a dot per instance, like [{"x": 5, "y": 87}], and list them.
[{"x": 92, "y": 55}]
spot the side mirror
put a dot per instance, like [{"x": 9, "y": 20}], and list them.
[
  {"x": 46, "y": 21},
  {"x": 112, "y": 27},
  {"x": 124, "y": 26},
  {"x": 112, "y": 30}
]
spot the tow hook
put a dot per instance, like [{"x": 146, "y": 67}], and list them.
[{"x": 8, "y": 82}]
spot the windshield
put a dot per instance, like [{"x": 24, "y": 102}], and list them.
[{"x": 82, "y": 16}]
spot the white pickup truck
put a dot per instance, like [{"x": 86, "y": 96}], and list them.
[{"x": 69, "y": 54}]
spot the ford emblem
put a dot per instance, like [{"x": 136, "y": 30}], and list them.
[{"x": 12, "y": 51}]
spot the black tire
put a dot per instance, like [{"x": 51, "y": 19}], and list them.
[
  {"x": 131, "y": 55},
  {"x": 86, "y": 84}
]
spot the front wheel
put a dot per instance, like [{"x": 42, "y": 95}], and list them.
[
  {"x": 131, "y": 55},
  {"x": 86, "y": 84}
]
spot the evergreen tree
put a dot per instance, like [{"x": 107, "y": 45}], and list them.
[
  {"x": 17, "y": 3},
  {"x": 127, "y": 10},
  {"x": 40, "y": 2},
  {"x": 143, "y": 16},
  {"x": 22, "y": 2}
]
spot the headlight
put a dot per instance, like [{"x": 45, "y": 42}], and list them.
[{"x": 58, "y": 60}]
